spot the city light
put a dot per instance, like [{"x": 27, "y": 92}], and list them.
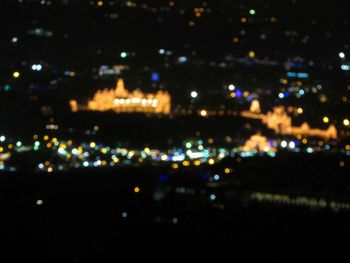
[
  {"x": 194, "y": 94},
  {"x": 346, "y": 122},
  {"x": 341, "y": 54},
  {"x": 16, "y": 74},
  {"x": 325, "y": 119}
]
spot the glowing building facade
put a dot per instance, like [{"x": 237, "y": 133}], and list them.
[
  {"x": 121, "y": 100},
  {"x": 279, "y": 121}
]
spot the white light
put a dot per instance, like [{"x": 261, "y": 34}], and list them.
[
  {"x": 161, "y": 51},
  {"x": 123, "y": 54},
  {"x": 14, "y": 40},
  {"x": 194, "y": 94},
  {"x": 39, "y": 202},
  {"x": 281, "y": 95},
  {"x": 124, "y": 215},
  {"x": 216, "y": 177},
  {"x": 301, "y": 92},
  {"x": 75, "y": 151},
  {"x": 2, "y": 138},
  {"x": 284, "y": 144},
  {"x": 19, "y": 144},
  {"x": 291, "y": 145},
  {"x": 342, "y": 55},
  {"x": 182, "y": 59},
  {"x": 41, "y": 166},
  {"x": 252, "y": 12},
  {"x": 86, "y": 164},
  {"x": 231, "y": 87},
  {"x": 345, "y": 67},
  {"x": 309, "y": 150}
]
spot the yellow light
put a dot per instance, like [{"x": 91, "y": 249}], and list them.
[
  {"x": 210, "y": 140},
  {"x": 104, "y": 162},
  {"x": 46, "y": 138},
  {"x": 232, "y": 95},
  {"x": 116, "y": 159},
  {"x": 341, "y": 163},
  {"x": 346, "y": 122},
  {"x": 186, "y": 163},
  {"x": 69, "y": 155},
  {"x": 347, "y": 147},
  {"x": 100, "y": 3},
  {"x": 147, "y": 150},
  {"x": 140, "y": 160},
  {"x": 203, "y": 113},
  {"x": 304, "y": 141},
  {"x": 300, "y": 110},
  {"x": 243, "y": 19},
  {"x": 285, "y": 82},
  {"x": 211, "y": 161},
  {"x": 10, "y": 146},
  {"x": 191, "y": 23},
  {"x": 175, "y": 166},
  {"x": 197, "y": 162},
  {"x": 251, "y": 54},
  {"x": 325, "y": 119},
  {"x": 299, "y": 136},
  {"x": 16, "y": 74},
  {"x": 235, "y": 40},
  {"x": 227, "y": 170},
  {"x": 92, "y": 144},
  {"x": 245, "y": 94},
  {"x": 54, "y": 140},
  {"x": 136, "y": 189},
  {"x": 70, "y": 142},
  {"x": 1, "y": 149},
  {"x": 35, "y": 136},
  {"x": 49, "y": 169}
]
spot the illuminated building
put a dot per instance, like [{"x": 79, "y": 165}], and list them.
[
  {"x": 258, "y": 142},
  {"x": 121, "y": 100},
  {"x": 279, "y": 121}
]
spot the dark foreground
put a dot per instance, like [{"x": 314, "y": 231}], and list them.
[{"x": 96, "y": 215}]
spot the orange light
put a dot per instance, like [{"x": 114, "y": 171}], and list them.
[{"x": 136, "y": 189}]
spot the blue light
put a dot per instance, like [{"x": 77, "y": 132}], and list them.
[
  {"x": 291, "y": 74},
  {"x": 216, "y": 177},
  {"x": 239, "y": 93},
  {"x": 155, "y": 76},
  {"x": 182, "y": 59},
  {"x": 212, "y": 197},
  {"x": 345, "y": 67}
]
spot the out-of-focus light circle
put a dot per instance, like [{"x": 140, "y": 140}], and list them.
[
  {"x": 284, "y": 144},
  {"x": 342, "y": 55},
  {"x": 231, "y": 87},
  {"x": 194, "y": 94}
]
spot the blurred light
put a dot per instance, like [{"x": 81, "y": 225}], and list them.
[
  {"x": 325, "y": 119},
  {"x": 203, "y": 113},
  {"x": 216, "y": 177},
  {"x": 123, "y": 54},
  {"x": 251, "y": 54},
  {"x": 19, "y": 144},
  {"x": 2, "y": 138},
  {"x": 161, "y": 51},
  {"x": 212, "y": 197},
  {"x": 281, "y": 95},
  {"x": 211, "y": 161},
  {"x": 124, "y": 215},
  {"x": 252, "y": 12},
  {"x": 16, "y": 74},
  {"x": 194, "y": 94},
  {"x": 342, "y": 55},
  {"x": 231, "y": 87},
  {"x": 100, "y": 3},
  {"x": 346, "y": 122},
  {"x": 300, "y": 110},
  {"x": 284, "y": 144},
  {"x": 14, "y": 40},
  {"x": 227, "y": 170},
  {"x": 39, "y": 202},
  {"x": 92, "y": 144},
  {"x": 291, "y": 145}
]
